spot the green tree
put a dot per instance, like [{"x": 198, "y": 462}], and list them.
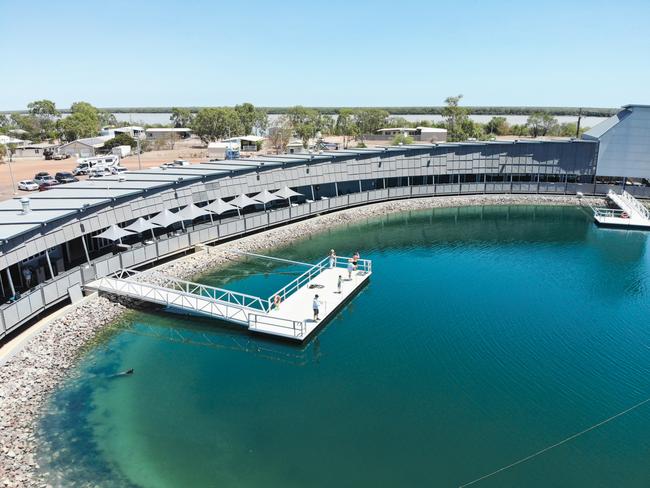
[
  {"x": 370, "y": 120},
  {"x": 398, "y": 122},
  {"x": 539, "y": 123},
  {"x": 280, "y": 133},
  {"x": 29, "y": 124},
  {"x": 456, "y": 119},
  {"x": 252, "y": 119},
  {"x": 305, "y": 122},
  {"x": 246, "y": 113},
  {"x": 3, "y": 152},
  {"x": 498, "y": 126},
  {"x": 326, "y": 125},
  {"x": 401, "y": 139},
  {"x": 43, "y": 108},
  {"x": 261, "y": 121},
  {"x": 181, "y": 117},
  {"x": 549, "y": 123},
  {"x": 120, "y": 140},
  {"x": 83, "y": 121},
  {"x": 519, "y": 130},
  {"x": 211, "y": 124},
  {"x": 108, "y": 119},
  {"x": 346, "y": 125}
]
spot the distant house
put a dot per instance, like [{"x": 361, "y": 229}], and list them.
[
  {"x": 134, "y": 131},
  {"x": 419, "y": 134},
  {"x": 34, "y": 150},
  {"x": 84, "y": 148},
  {"x": 222, "y": 150},
  {"x": 295, "y": 147},
  {"x": 158, "y": 133},
  {"x": 245, "y": 143},
  {"x": 11, "y": 140}
]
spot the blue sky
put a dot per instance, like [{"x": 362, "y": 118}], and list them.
[{"x": 354, "y": 53}]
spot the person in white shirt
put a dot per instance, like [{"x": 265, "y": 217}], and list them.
[{"x": 316, "y": 307}]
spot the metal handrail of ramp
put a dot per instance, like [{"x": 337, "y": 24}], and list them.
[
  {"x": 188, "y": 287},
  {"x": 193, "y": 297},
  {"x": 625, "y": 199},
  {"x": 295, "y": 328}
]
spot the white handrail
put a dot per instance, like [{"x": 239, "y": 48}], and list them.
[
  {"x": 190, "y": 288},
  {"x": 297, "y": 326}
]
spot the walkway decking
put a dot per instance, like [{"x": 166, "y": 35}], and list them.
[
  {"x": 293, "y": 319},
  {"x": 297, "y": 309}
]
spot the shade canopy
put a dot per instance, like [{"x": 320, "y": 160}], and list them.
[
  {"x": 191, "y": 212},
  {"x": 219, "y": 207},
  {"x": 165, "y": 218},
  {"x": 266, "y": 197},
  {"x": 287, "y": 193},
  {"x": 113, "y": 233},
  {"x": 243, "y": 201},
  {"x": 141, "y": 225}
]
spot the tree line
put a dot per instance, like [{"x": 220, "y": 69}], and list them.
[
  {"x": 44, "y": 122},
  {"x": 415, "y": 110}
]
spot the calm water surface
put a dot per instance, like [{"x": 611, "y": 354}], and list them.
[{"x": 484, "y": 335}]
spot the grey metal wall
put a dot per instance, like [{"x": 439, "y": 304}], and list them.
[{"x": 624, "y": 148}]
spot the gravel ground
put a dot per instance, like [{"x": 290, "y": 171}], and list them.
[{"x": 28, "y": 378}]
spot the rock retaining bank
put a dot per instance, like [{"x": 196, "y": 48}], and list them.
[{"x": 28, "y": 378}]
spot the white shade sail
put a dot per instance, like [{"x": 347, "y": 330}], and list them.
[
  {"x": 165, "y": 218},
  {"x": 266, "y": 197},
  {"x": 243, "y": 201},
  {"x": 219, "y": 207},
  {"x": 113, "y": 233},
  {"x": 191, "y": 212},
  {"x": 141, "y": 225},
  {"x": 287, "y": 193}
]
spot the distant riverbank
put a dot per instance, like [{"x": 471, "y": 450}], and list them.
[{"x": 164, "y": 118}]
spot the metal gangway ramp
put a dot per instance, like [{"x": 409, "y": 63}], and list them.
[
  {"x": 631, "y": 213},
  {"x": 286, "y": 313}
]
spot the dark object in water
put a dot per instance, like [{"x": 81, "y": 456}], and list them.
[{"x": 124, "y": 373}]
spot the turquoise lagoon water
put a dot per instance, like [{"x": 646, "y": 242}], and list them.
[{"x": 484, "y": 335}]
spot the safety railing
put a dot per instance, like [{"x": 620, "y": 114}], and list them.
[
  {"x": 364, "y": 265},
  {"x": 189, "y": 288},
  {"x": 302, "y": 280},
  {"x": 609, "y": 212},
  {"x": 635, "y": 204},
  {"x": 261, "y": 322}
]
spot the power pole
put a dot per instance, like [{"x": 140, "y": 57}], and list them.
[
  {"x": 11, "y": 172},
  {"x": 138, "y": 149},
  {"x": 578, "y": 125}
]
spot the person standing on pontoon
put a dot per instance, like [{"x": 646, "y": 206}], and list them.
[
  {"x": 355, "y": 259},
  {"x": 332, "y": 258},
  {"x": 316, "y": 307},
  {"x": 350, "y": 268}
]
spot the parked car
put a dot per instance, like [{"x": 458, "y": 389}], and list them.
[
  {"x": 99, "y": 172},
  {"x": 27, "y": 185},
  {"x": 65, "y": 177},
  {"x": 116, "y": 170},
  {"x": 42, "y": 177},
  {"x": 60, "y": 156},
  {"x": 46, "y": 185}
]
